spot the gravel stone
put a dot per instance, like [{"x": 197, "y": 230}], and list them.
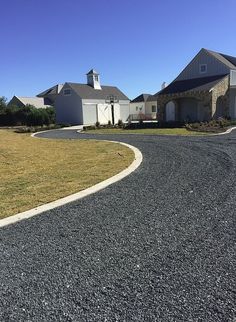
[{"x": 158, "y": 245}]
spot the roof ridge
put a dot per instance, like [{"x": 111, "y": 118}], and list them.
[{"x": 223, "y": 58}]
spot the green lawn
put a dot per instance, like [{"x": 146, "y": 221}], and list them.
[
  {"x": 36, "y": 171},
  {"x": 174, "y": 131}
]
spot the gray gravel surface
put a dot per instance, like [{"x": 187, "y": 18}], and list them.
[{"x": 157, "y": 246}]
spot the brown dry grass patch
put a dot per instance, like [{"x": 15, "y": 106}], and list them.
[{"x": 36, "y": 171}]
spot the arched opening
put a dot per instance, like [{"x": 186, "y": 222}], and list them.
[{"x": 170, "y": 111}]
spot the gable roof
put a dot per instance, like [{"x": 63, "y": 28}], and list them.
[
  {"x": 37, "y": 102},
  {"x": 231, "y": 59},
  {"x": 194, "y": 84},
  {"x": 140, "y": 98},
  {"x": 52, "y": 90},
  {"x": 88, "y": 92},
  {"x": 227, "y": 60}
]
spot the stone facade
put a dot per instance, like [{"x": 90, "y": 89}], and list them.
[
  {"x": 204, "y": 98},
  {"x": 220, "y": 99},
  {"x": 210, "y": 104}
]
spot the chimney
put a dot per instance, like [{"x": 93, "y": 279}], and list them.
[{"x": 163, "y": 85}]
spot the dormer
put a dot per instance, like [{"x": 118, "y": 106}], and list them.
[{"x": 93, "y": 79}]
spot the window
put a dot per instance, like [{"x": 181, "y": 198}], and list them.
[
  {"x": 203, "y": 68},
  {"x": 67, "y": 92},
  {"x": 154, "y": 109},
  {"x": 136, "y": 108},
  {"x": 96, "y": 78}
]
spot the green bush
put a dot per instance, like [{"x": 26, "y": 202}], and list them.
[
  {"x": 97, "y": 124},
  {"x": 27, "y": 115}
]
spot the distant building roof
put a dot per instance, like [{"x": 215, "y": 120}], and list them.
[
  {"x": 88, "y": 92},
  {"x": 151, "y": 98},
  {"x": 141, "y": 98},
  {"x": 52, "y": 90},
  {"x": 195, "y": 84},
  {"x": 37, "y": 102}
]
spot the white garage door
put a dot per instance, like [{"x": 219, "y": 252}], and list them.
[{"x": 105, "y": 115}]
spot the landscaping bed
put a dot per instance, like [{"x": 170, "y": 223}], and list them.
[{"x": 214, "y": 126}]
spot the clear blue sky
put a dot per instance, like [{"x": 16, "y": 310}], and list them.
[{"x": 133, "y": 44}]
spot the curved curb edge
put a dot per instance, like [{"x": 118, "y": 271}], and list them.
[
  {"x": 226, "y": 132},
  {"x": 78, "y": 195}
]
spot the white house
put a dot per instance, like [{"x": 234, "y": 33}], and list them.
[
  {"x": 143, "y": 107},
  {"x": 90, "y": 103}
]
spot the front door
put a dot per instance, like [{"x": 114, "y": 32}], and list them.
[{"x": 170, "y": 111}]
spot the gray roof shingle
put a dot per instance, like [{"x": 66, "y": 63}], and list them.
[
  {"x": 140, "y": 98},
  {"x": 88, "y": 92},
  {"x": 229, "y": 61},
  {"x": 195, "y": 84},
  {"x": 52, "y": 90}
]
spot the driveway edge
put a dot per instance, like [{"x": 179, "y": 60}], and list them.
[{"x": 79, "y": 195}]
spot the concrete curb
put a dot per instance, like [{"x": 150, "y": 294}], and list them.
[
  {"x": 174, "y": 135},
  {"x": 79, "y": 195},
  {"x": 226, "y": 132}
]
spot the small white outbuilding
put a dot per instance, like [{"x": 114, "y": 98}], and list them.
[{"x": 90, "y": 103}]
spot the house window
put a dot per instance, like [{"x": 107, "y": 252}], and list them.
[
  {"x": 136, "y": 108},
  {"x": 203, "y": 68},
  {"x": 154, "y": 109},
  {"x": 67, "y": 92},
  {"x": 96, "y": 78}
]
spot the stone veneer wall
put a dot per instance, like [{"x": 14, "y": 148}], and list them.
[
  {"x": 221, "y": 92},
  {"x": 204, "y": 96},
  {"x": 209, "y": 100}
]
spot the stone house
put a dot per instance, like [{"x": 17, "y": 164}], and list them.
[{"x": 204, "y": 90}]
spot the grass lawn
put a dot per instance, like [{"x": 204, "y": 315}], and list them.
[
  {"x": 36, "y": 171},
  {"x": 159, "y": 131}
]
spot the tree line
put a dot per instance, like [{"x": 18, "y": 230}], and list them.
[{"x": 11, "y": 115}]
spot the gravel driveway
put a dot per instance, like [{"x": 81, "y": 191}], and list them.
[{"x": 157, "y": 246}]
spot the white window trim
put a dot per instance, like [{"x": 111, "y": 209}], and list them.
[
  {"x": 67, "y": 89},
  {"x": 200, "y": 67}
]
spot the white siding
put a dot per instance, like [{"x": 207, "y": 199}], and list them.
[
  {"x": 137, "y": 108},
  {"x": 68, "y": 108},
  {"x": 124, "y": 111},
  {"x": 89, "y": 114},
  {"x": 233, "y": 78},
  {"x": 148, "y": 109}
]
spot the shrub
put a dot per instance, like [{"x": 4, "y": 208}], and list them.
[
  {"x": 89, "y": 127},
  {"x": 97, "y": 124},
  {"x": 120, "y": 123},
  {"x": 27, "y": 115}
]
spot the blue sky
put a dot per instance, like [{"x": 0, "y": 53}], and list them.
[{"x": 133, "y": 44}]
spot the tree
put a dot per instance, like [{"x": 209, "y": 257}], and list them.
[{"x": 3, "y": 103}]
